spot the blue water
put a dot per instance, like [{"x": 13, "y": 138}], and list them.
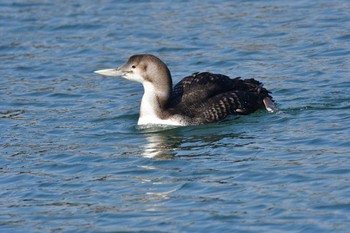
[{"x": 73, "y": 160}]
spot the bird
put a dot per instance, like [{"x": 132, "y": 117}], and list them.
[{"x": 200, "y": 98}]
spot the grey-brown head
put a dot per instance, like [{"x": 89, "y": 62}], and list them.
[
  {"x": 141, "y": 68},
  {"x": 155, "y": 78}
]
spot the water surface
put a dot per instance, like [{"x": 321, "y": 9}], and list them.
[{"x": 73, "y": 159}]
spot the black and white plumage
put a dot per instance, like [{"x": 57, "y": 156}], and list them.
[{"x": 197, "y": 99}]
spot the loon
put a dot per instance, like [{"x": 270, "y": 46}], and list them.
[{"x": 197, "y": 99}]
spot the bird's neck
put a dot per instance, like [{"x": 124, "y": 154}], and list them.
[{"x": 154, "y": 103}]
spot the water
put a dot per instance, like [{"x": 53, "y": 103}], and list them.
[{"x": 73, "y": 159}]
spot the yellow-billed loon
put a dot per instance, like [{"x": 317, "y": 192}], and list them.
[{"x": 197, "y": 99}]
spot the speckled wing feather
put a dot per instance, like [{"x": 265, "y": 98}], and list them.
[
  {"x": 229, "y": 103},
  {"x": 199, "y": 87}
]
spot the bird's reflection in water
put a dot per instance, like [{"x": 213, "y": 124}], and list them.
[
  {"x": 166, "y": 143},
  {"x": 160, "y": 144}
]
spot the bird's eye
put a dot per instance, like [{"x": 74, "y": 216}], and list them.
[{"x": 133, "y": 67}]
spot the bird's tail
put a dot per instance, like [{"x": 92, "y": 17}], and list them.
[
  {"x": 269, "y": 104},
  {"x": 253, "y": 85}
]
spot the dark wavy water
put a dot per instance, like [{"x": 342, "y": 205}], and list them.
[{"x": 73, "y": 160}]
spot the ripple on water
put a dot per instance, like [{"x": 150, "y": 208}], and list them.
[{"x": 74, "y": 160}]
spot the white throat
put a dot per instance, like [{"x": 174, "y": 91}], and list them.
[{"x": 150, "y": 110}]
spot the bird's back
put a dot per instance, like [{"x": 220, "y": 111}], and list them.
[{"x": 207, "y": 97}]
